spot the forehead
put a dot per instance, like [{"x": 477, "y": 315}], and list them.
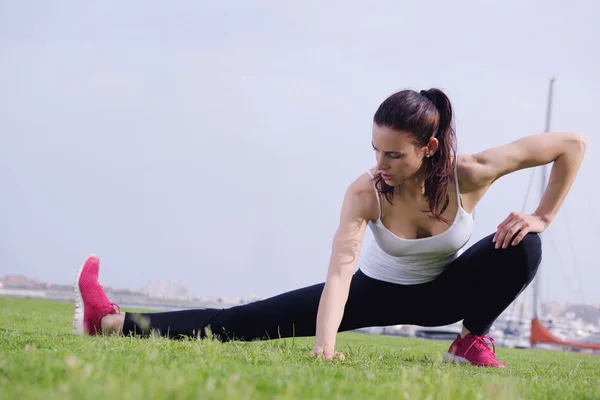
[{"x": 388, "y": 139}]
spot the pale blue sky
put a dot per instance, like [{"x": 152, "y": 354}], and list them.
[{"x": 212, "y": 142}]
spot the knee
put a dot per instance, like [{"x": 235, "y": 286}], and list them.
[
  {"x": 532, "y": 244},
  {"x": 528, "y": 252}
]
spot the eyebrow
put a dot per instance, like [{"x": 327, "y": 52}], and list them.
[{"x": 389, "y": 152}]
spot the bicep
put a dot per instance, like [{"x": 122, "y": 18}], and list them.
[
  {"x": 348, "y": 237},
  {"x": 527, "y": 152}
]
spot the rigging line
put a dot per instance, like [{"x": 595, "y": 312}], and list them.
[
  {"x": 585, "y": 314},
  {"x": 562, "y": 262},
  {"x": 595, "y": 222},
  {"x": 528, "y": 190},
  {"x": 594, "y": 216},
  {"x": 511, "y": 309},
  {"x": 573, "y": 252}
]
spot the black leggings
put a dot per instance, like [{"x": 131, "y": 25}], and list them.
[{"x": 476, "y": 288}]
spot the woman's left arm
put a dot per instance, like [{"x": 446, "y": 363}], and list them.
[{"x": 564, "y": 149}]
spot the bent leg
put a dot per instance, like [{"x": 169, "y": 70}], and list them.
[
  {"x": 508, "y": 273},
  {"x": 482, "y": 282}
]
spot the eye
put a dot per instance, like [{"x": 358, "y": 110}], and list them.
[{"x": 395, "y": 156}]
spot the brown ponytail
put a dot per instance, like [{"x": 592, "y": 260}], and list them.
[{"x": 426, "y": 114}]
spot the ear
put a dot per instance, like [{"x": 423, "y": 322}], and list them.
[{"x": 431, "y": 147}]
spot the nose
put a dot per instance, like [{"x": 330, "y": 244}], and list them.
[{"x": 380, "y": 162}]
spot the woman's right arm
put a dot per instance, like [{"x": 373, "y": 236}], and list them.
[{"x": 342, "y": 265}]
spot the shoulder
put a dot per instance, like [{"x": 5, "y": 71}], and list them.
[
  {"x": 471, "y": 173},
  {"x": 360, "y": 198}
]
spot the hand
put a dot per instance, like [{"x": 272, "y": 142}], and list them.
[
  {"x": 515, "y": 222},
  {"x": 327, "y": 353}
]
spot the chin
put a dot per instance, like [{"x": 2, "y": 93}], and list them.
[{"x": 392, "y": 182}]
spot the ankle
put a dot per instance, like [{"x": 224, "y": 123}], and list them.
[
  {"x": 464, "y": 332},
  {"x": 112, "y": 323}
]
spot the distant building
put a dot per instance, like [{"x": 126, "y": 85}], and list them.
[
  {"x": 169, "y": 289},
  {"x": 19, "y": 281}
]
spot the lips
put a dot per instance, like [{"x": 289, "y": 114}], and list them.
[{"x": 386, "y": 177}]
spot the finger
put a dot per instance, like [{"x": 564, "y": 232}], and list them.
[
  {"x": 501, "y": 233},
  {"x": 501, "y": 226},
  {"x": 524, "y": 231},
  {"x": 510, "y": 232},
  {"x": 504, "y": 233},
  {"x": 316, "y": 353},
  {"x": 334, "y": 355},
  {"x": 510, "y": 217},
  {"x": 330, "y": 354}
]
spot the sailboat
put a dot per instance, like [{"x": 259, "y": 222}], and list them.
[{"x": 540, "y": 335}]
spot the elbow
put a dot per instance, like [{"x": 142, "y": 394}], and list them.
[
  {"x": 583, "y": 142},
  {"x": 580, "y": 141},
  {"x": 576, "y": 143}
]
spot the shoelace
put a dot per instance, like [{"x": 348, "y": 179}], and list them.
[
  {"x": 112, "y": 304},
  {"x": 481, "y": 341}
]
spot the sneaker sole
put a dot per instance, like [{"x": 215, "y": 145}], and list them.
[
  {"x": 78, "y": 326},
  {"x": 448, "y": 357},
  {"x": 451, "y": 358}
]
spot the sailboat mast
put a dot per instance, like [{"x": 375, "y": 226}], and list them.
[
  {"x": 536, "y": 284},
  {"x": 549, "y": 107}
]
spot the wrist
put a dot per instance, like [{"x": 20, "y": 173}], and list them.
[{"x": 546, "y": 219}]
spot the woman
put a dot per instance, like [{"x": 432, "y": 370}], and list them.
[{"x": 418, "y": 202}]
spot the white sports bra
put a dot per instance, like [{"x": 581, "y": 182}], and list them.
[{"x": 413, "y": 261}]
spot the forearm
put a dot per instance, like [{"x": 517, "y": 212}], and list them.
[
  {"x": 342, "y": 265},
  {"x": 563, "y": 173},
  {"x": 331, "y": 310}
]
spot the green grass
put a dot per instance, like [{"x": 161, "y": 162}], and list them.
[{"x": 40, "y": 359}]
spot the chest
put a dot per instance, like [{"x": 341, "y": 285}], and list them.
[{"x": 413, "y": 219}]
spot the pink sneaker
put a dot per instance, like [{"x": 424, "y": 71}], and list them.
[
  {"x": 474, "y": 350},
  {"x": 91, "y": 303}
]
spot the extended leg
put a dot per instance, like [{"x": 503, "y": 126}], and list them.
[{"x": 370, "y": 303}]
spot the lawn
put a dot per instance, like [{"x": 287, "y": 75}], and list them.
[{"x": 41, "y": 359}]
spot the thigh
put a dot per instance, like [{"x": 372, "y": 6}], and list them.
[
  {"x": 372, "y": 302},
  {"x": 470, "y": 262},
  {"x": 442, "y": 301},
  {"x": 469, "y": 276},
  {"x": 482, "y": 261},
  {"x": 450, "y": 292}
]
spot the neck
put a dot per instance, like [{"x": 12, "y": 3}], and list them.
[{"x": 414, "y": 186}]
